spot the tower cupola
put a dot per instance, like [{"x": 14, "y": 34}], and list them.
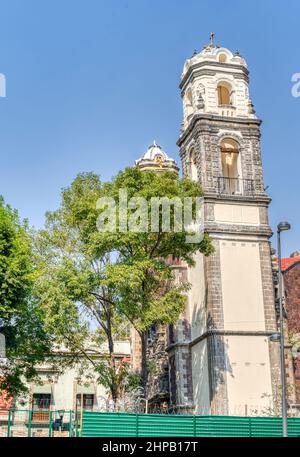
[
  {"x": 156, "y": 159},
  {"x": 215, "y": 81}
]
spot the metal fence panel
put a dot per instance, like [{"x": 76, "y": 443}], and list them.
[
  {"x": 165, "y": 425},
  {"x": 294, "y": 426},
  {"x": 16, "y": 424},
  {"x": 123, "y": 424},
  {"x": 23, "y": 423},
  {"x": 109, "y": 424},
  {"x": 272, "y": 426},
  {"x": 222, "y": 426}
]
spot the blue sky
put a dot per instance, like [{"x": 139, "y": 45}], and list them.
[{"x": 91, "y": 83}]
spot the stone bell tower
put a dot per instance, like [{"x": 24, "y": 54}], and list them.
[{"x": 231, "y": 302}]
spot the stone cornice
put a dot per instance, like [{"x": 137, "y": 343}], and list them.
[
  {"x": 212, "y": 333},
  {"x": 214, "y": 197},
  {"x": 228, "y": 121},
  {"x": 241, "y": 72},
  {"x": 177, "y": 345},
  {"x": 237, "y": 229}
]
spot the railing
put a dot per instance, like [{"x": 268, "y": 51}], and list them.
[
  {"x": 32, "y": 423},
  {"x": 247, "y": 421},
  {"x": 235, "y": 186},
  {"x": 227, "y": 110}
]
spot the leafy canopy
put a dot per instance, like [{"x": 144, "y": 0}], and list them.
[
  {"x": 21, "y": 320},
  {"x": 142, "y": 275},
  {"x": 111, "y": 277}
]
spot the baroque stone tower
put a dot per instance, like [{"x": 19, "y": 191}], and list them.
[{"x": 230, "y": 309}]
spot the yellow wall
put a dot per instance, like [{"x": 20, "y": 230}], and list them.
[
  {"x": 237, "y": 214},
  {"x": 241, "y": 286},
  {"x": 248, "y": 374}
]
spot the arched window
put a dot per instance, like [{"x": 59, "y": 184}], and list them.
[
  {"x": 230, "y": 156},
  {"x": 230, "y": 182},
  {"x": 224, "y": 94},
  {"x": 189, "y": 104},
  {"x": 193, "y": 166}
]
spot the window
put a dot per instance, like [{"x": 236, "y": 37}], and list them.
[
  {"x": 152, "y": 334},
  {"x": 88, "y": 401},
  {"x": 189, "y": 104},
  {"x": 41, "y": 401},
  {"x": 189, "y": 97},
  {"x": 224, "y": 94},
  {"x": 230, "y": 155},
  {"x": 193, "y": 166}
]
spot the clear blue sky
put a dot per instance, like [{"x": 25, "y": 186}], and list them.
[{"x": 91, "y": 83}]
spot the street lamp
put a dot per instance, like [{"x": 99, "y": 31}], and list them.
[
  {"x": 275, "y": 337},
  {"x": 281, "y": 227}
]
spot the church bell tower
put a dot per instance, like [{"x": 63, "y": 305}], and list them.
[{"x": 231, "y": 311}]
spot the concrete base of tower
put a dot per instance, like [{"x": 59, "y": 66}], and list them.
[{"x": 232, "y": 374}]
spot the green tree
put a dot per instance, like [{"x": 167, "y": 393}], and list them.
[
  {"x": 142, "y": 275},
  {"x": 20, "y": 317},
  {"x": 112, "y": 276},
  {"x": 79, "y": 307}
]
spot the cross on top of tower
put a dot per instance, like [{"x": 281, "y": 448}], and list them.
[{"x": 211, "y": 36}]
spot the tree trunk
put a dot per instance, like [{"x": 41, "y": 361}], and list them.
[
  {"x": 113, "y": 386},
  {"x": 114, "y": 393},
  {"x": 144, "y": 372}
]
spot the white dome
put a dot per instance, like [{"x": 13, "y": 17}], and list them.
[
  {"x": 156, "y": 159},
  {"x": 153, "y": 151}
]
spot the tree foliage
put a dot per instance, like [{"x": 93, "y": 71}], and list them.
[
  {"x": 142, "y": 276},
  {"x": 79, "y": 307},
  {"x": 20, "y": 317},
  {"x": 112, "y": 277}
]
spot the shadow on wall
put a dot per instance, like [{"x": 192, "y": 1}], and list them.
[
  {"x": 219, "y": 365},
  {"x": 210, "y": 363}
]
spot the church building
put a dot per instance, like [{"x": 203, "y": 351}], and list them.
[{"x": 218, "y": 358}]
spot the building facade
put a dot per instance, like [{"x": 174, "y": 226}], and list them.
[
  {"x": 291, "y": 281},
  {"x": 219, "y": 355},
  {"x": 73, "y": 388}
]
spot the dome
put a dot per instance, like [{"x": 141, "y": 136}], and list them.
[
  {"x": 153, "y": 151},
  {"x": 155, "y": 158},
  {"x": 211, "y": 54}
]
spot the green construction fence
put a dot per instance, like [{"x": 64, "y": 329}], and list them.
[{"x": 147, "y": 425}]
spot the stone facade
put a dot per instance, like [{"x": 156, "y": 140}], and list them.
[
  {"x": 219, "y": 354},
  {"x": 205, "y": 136},
  {"x": 236, "y": 217},
  {"x": 158, "y": 380},
  {"x": 291, "y": 277},
  {"x": 292, "y": 291},
  {"x": 170, "y": 386},
  {"x": 220, "y": 148}
]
